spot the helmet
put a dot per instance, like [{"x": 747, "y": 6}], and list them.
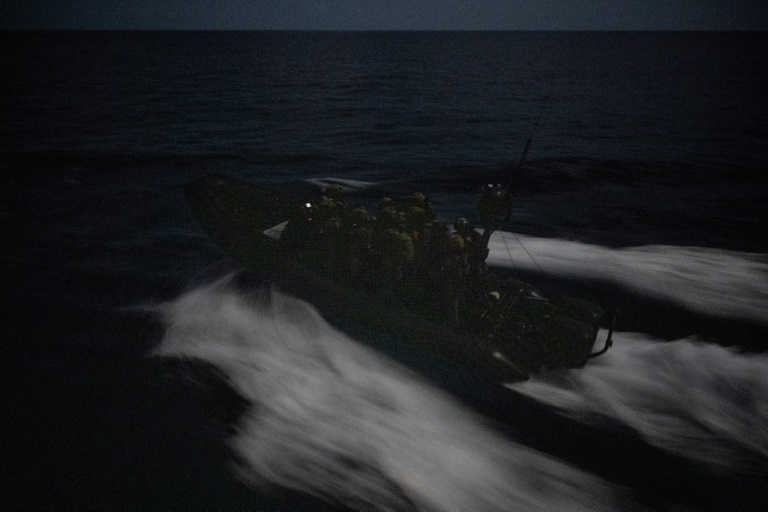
[
  {"x": 461, "y": 225},
  {"x": 418, "y": 199},
  {"x": 335, "y": 192},
  {"x": 359, "y": 216}
]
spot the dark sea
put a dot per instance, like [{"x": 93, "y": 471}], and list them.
[{"x": 143, "y": 370}]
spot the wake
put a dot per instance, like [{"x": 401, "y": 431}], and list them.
[
  {"x": 349, "y": 186},
  {"x": 337, "y": 420},
  {"x": 712, "y": 281},
  {"x": 701, "y": 401}
]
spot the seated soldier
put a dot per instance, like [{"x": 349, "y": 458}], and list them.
[
  {"x": 336, "y": 193},
  {"x": 359, "y": 233},
  {"x": 467, "y": 231}
]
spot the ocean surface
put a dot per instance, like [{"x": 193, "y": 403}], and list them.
[{"x": 143, "y": 370}]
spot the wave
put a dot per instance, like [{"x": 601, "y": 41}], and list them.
[
  {"x": 700, "y": 401},
  {"x": 347, "y": 184},
  {"x": 110, "y": 161},
  {"x": 572, "y": 171},
  {"x": 337, "y": 420},
  {"x": 717, "y": 282},
  {"x": 569, "y": 173}
]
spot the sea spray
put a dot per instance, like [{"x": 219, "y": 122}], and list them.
[
  {"x": 701, "y": 401},
  {"x": 716, "y": 282},
  {"x": 335, "y": 419}
]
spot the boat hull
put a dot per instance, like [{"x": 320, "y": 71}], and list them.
[{"x": 237, "y": 214}]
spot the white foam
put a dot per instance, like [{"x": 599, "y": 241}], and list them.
[
  {"x": 701, "y": 401},
  {"x": 347, "y": 184},
  {"x": 713, "y": 281},
  {"x": 335, "y": 419}
]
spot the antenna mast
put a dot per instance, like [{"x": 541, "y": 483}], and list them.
[{"x": 495, "y": 206}]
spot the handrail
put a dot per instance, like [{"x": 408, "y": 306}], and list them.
[{"x": 609, "y": 339}]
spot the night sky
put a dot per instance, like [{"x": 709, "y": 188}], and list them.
[{"x": 386, "y": 14}]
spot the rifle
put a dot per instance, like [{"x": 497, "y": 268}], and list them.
[
  {"x": 496, "y": 207},
  {"x": 514, "y": 178}
]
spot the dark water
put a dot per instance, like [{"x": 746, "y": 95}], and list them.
[{"x": 644, "y": 185}]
